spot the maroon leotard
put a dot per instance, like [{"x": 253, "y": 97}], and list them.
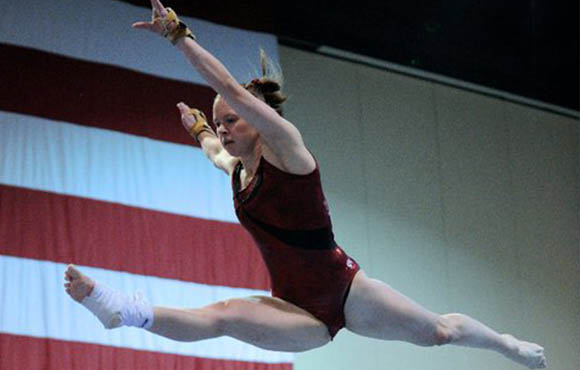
[{"x": 287, "y": 215}]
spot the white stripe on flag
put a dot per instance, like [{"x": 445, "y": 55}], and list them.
[
  {"x": 100, "y": 31},
  {"x": 111, "y": 166},
  {"x": 38, "y": 306}
]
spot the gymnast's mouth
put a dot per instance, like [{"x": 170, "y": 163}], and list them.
[{"x": 227, "y": 142}]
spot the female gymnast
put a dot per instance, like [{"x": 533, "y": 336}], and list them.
[{"x": 317, "y": 289}]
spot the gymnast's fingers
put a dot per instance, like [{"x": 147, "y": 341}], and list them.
[
  {"x": 159, "y": 8},
  {"x": 183, "y": 108},
  {"x": 187, "y": 118},
  {"x": 144, "y": 26},
  {"x": 68, "y": 276},
  {"x": 72, "y": 272}
]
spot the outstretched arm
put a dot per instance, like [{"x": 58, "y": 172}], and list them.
[{"x": 281, "y": 136}]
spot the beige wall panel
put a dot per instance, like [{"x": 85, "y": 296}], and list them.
[
  {"x": 478, "y": 211},
  {"x": 401, "y": 153},
  {"x": 546, "y": 200},
  {"x": 460, "y": 201},
  {"x": 405, "y": 221}
]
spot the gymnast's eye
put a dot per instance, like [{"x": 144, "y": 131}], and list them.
[{"x": 230, "y": 119}]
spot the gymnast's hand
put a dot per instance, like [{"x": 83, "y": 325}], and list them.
[
  {"x": 187, "y": 118},
  {"x": 155, "y": 25},
  {"x": 194, "y": 121}
]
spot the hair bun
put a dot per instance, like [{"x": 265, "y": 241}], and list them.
[{"x": 268, "y": 86}]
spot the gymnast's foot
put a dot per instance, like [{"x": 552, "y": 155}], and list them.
[
  {"x": 111, "y": 307},
  {"x": 525, "y": 353},
  {"x": 78, "y": 285}
]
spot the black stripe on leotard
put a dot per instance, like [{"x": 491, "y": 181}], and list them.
[{"x": 319, "y": 239}]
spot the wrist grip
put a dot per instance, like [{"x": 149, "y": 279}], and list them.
[{"x": 200, "y": 124}]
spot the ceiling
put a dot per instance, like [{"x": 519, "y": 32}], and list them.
[{"x": 529, "y": 48}]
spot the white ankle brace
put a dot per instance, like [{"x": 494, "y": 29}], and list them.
[{"x": 115, "y": 309}]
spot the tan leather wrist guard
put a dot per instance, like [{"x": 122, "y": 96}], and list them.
[
  {"x": 200, "y": 124},
  {"x": 175, "y": 33}
]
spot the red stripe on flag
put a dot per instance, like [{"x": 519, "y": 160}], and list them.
[
  {"x": 21, "y": 352},
  {"x": 69, "y": 229},
  {"x": 93, "y": 94}
]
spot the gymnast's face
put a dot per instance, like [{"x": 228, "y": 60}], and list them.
[{"x": 236, "y": 136}]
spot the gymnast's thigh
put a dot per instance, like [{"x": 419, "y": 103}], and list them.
[
  {"x": 271, "y": 323},
  {"x": 374, "y": 309}
]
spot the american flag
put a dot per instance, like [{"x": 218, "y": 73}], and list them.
[{"x": 96, "y": 170}]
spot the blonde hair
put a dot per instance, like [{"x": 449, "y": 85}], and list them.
[{"x": 269, "y": 85}]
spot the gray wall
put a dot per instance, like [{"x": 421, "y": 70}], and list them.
[{"x": 463, "y": 202}]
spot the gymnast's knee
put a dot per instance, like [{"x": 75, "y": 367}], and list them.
[
  {"x": 222, "y": 315},
  {"x": 447, "y": 329}
]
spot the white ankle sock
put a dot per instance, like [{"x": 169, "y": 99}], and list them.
[{"x": 115, "y": 309}]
